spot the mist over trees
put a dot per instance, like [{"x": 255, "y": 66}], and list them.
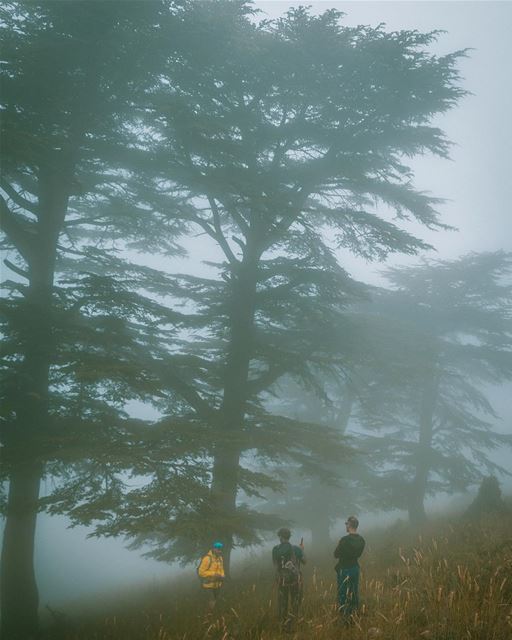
[
  {"x": 446, "y": 333},
  {"x": 129, "y": 129}
]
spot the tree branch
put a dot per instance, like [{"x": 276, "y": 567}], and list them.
[
  {"x": 186, "y": 391},
  {"x": 220, "y": 237},
  {"x": 239, "y": 219},
  {"x": 215, "y": 233},
  {"x": 13, "y": 228},
  {"x": 287, "y": 220},
  {"x": 95, "y": 221},
  {"x": 265, "y": 380},
  {"x": 17, "y": 198},
  {"x": 13, "y": 267},
  {"x": 74, "y": 252}
]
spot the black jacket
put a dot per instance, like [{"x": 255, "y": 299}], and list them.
[{"x": 349, "y": 549}]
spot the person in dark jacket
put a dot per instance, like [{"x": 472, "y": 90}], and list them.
[
  {"x": 348, "y": 551},
  {"x": 288, "y": 560}
]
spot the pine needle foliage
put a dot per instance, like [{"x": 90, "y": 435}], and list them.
[{"x": 283, "y": 140}]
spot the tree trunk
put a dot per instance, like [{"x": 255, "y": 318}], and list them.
[
  {"x": 416, "y": 506},
  {"x": 18, "y": 588},
  {"x": 19, "y": 596},
  {"x": 228, "y": 449}
]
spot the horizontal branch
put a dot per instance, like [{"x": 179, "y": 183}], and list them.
[
  {"x": 21, "y": 272},
  {"x": 18, "y": 198},
  {"x": 75, "y": 221}
]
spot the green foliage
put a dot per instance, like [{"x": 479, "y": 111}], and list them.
[
  {"x": 280, "y": 141},
  {"x": 277, "y": 136}
]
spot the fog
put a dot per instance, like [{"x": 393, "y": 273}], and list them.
[{"x": 476, "y": 187}]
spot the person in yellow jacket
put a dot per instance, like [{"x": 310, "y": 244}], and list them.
[{"x": 211, "y": 573}]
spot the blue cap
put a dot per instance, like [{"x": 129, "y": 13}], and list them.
[{"x": 218, "y": 545}]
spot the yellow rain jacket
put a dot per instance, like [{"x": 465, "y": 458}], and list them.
[{"x": 211, "y": 565}]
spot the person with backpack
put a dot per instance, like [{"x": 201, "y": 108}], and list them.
[
  {"x": 348, "y": 551},
  {"x": 287, "y": 560},
  {"x": 211, "y": 574}
]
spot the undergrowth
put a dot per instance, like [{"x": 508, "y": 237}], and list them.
[{"x": 447, "y": 582}]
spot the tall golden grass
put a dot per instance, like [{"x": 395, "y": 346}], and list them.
[{"x": 451, "y": 581}]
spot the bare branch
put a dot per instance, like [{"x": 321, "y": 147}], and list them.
[
  {"x": 215, "y": 233},
  {"x": 14, "y": 229},
  {"x": 74, "y": 252},
  {"x": 239, "y": 242},
  {"x": 220, "y": 237},
  {"x": 231, "y": 209},
  {"x": 96, "y": 221},
  {"x": 18, "y": 270},
  {"x": 17, "y": 198}
]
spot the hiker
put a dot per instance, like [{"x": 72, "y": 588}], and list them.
[
  {"x": 211, "y": 574},
  {"x": 349, "y": 549},
  {"x": 287, "y": 560}
]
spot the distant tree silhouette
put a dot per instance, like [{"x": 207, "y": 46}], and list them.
[
  {"x": 488, "y": 500},
  {"x": 316, "y": 502},
  {"x": 439, "y": 335}
]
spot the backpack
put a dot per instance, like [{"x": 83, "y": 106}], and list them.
[
  {"x": 288, "y": 571},
  {"x": 207, "y": 568}
]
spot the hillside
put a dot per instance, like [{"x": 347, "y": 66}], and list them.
[{"x": 452, "y": 581}]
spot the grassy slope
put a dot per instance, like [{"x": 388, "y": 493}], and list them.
[{"x": 451, "y": 582}]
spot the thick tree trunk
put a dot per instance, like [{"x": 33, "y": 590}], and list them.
[
  {"x": 416, "y": 506},
  {"x": 19, "y": 595},
  {"x": 18, "y": 588},
  {"x": 224, "y": 487}
]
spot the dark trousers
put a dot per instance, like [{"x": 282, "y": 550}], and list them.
[
  {"x": 211, "y": 598},
  {"x": 348, "y": 590},
  {"x": 288, "y": 600}
]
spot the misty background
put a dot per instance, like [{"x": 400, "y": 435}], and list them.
[{"x": 476, "y": 185}]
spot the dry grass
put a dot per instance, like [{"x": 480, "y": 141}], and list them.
[{"x": 447, "y": 583}]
